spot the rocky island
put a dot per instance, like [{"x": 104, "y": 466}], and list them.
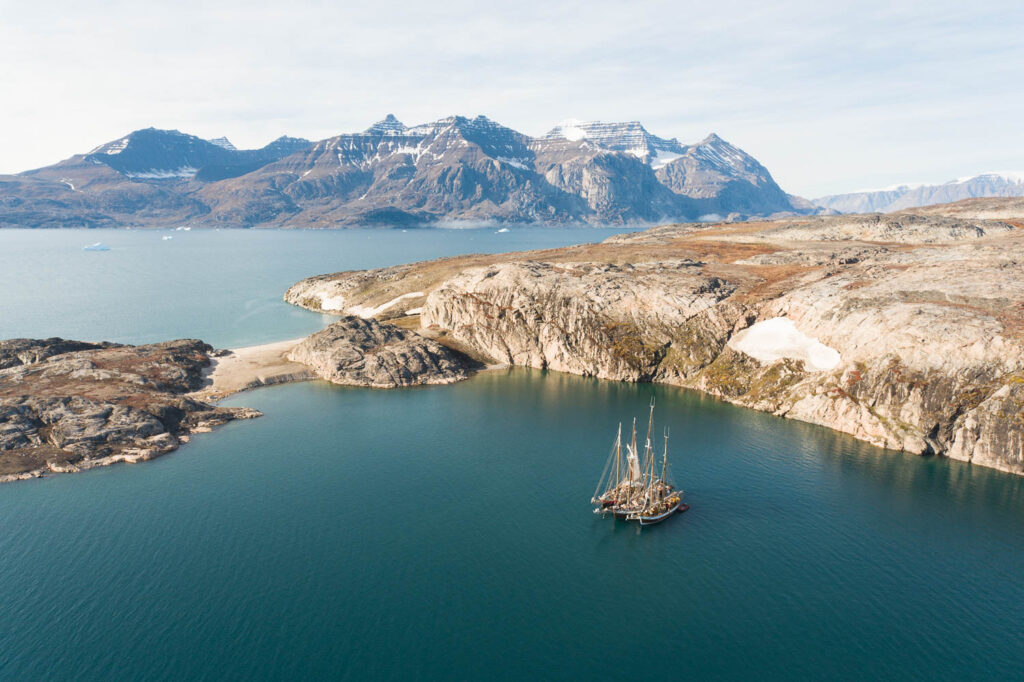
[
  {"x": 904, "y": 330},
  {"x": 71, "y": 405}
]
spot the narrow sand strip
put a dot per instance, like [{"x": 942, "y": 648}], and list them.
[{"x": 250, "y": 367}]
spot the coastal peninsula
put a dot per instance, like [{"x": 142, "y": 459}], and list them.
[{"x": 903, "y": 330}]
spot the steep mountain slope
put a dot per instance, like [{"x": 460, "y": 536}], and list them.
[
  {"x": 726, "y": 180},
  {"x": 1000, "y": 184},
  {"x": 630, "y": 137},
  {"x": 456, "y": 169},
  {"x": 146, "y": 178},
  {"x": 453, "y": 169}
]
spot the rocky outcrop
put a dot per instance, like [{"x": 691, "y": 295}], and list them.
[
  {"x": 71, "y": 405},
  {"x": 364, "y": 352},
  {"x": 905, "y": 331}
]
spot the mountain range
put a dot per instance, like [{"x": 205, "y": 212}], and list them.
[
  {"x": 454, "y": 170},
  {"x": 900, "y": 197}
]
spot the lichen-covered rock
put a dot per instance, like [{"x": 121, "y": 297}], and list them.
[
  {"x": 15, "y": 352},
  {"x": 364, "y": 352},
  {"x": 69, "y": 405}
]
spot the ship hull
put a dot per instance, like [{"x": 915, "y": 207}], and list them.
[{"x": 658, "y": 518}]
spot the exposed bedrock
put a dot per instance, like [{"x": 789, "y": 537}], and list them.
[
  {"x": 364, "y": 352},
  {"x": 70, "y": 405},
  {"x": 911, "y": 341}
]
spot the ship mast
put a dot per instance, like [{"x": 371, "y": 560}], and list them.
[
  {"x": 664, "y": 470},
  {"x": 611, "y": 477},
  {"x": 648, "y": 482},
  {"x": 635, "y": 474}
]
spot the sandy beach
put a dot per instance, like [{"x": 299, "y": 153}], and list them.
[{"x": 250, "y": 367}]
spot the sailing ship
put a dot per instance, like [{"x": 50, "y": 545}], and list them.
[{"x": 634, "y": 486}]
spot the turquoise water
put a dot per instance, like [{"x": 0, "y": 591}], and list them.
[
  {"x": 444, "y": 533},
  {"x": 222, "y": 286}
]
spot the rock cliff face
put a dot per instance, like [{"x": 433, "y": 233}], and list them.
[
  {"x": 906, "y": 331},
  {"x": 69, "y": 405},
  {"x": 364, "y": 352}
]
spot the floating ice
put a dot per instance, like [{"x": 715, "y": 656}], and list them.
[
  {"x": 504, "y": 229},
  {"x": 98, "y": 246},
  {"x": 166, "y": 237}
]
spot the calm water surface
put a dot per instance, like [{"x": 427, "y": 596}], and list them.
[
  {"x": 222, "y": 286},
  {"x": 444, "y": 532}
]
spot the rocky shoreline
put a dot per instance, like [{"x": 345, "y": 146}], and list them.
[
  {"x": 66, "y": 406},
  {"x": 906, "y": 331}
]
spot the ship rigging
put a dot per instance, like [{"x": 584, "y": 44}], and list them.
[{"x": 635, "y": 486}]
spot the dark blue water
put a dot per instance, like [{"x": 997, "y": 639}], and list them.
[{"x": 444, "y": 533}]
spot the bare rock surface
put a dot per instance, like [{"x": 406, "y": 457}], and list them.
[
  {"x": 364, "y": 352},
  {"x": 925, "y": 313},
  {"x": 70, "y": 405},
  {"x": 877, "y": 227}
]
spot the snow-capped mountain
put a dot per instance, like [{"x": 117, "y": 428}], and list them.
[
  {"x": 454, "y": 169},
  {"x": 223, "y": 142},
  {"x": 899, "y": 197},
  {"x": 630, "y": 137},
  {"x": 153, "y": 154}
]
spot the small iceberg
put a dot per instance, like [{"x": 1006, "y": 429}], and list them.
[
  {"x": 98, "y": 246},
  {"x": 179, "y": 229},
  {"x": 504, "y": 229},
  {"x": 166, "y": 237}
]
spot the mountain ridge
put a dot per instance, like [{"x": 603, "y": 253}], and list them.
[
  {"x": 454, "y": 169},
  {"x": 912, "y": 195}
]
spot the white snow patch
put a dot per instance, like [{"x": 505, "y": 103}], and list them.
[
  {"x": 332, "y": 303},
  {"x": 414, "y": 311},
  {"x": 113, "y": 147},
  {"x": 663, "y": 158},
  {"x": 778, "y": 338},
  {"x": 67, "y": 181},
  {"x": 518, "y": 163},
  {"x": 363, "y": 311},
  {"x": 571, "y": 131},
  {"x": 154, "y": 174},
  {"x": 223, "y": 143}
]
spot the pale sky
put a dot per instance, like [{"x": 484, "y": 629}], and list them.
[{"x": 830, "y": 96}]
